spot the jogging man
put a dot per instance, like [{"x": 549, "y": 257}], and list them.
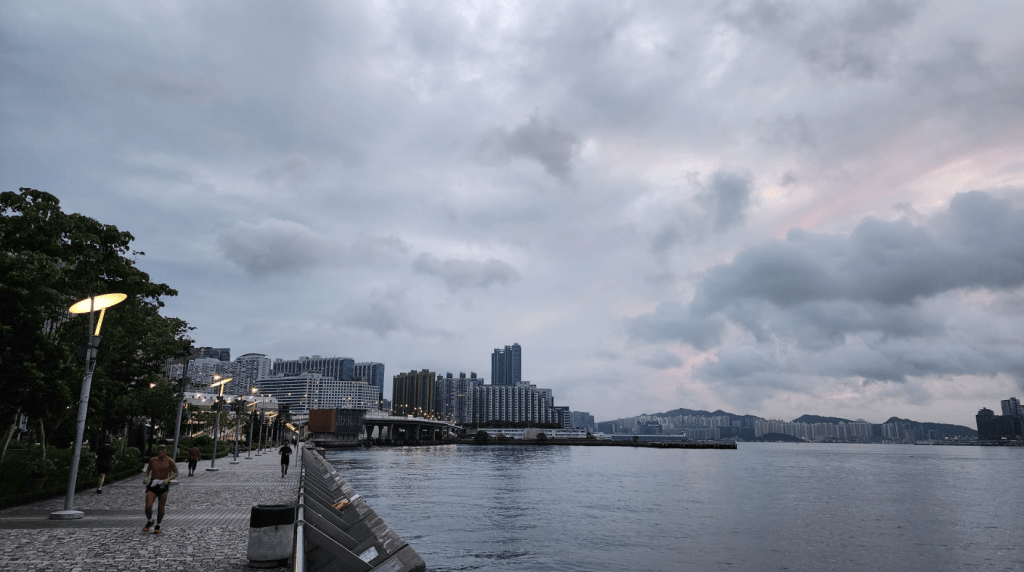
[
  {"x": 284, "y": 451},
  {"x": 193, "y": 460},
  {"x": 159, "y": 473},
  {"x": 104, "y": 455}
]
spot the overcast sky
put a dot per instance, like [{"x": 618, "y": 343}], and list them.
[{"x": 771, "y": 208}]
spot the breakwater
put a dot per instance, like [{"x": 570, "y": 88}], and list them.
[{"x": 337, "y": 530}]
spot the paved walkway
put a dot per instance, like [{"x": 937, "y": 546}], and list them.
[{"x": 206, "y": 526}]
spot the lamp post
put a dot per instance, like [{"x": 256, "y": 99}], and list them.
[
  {"x": 238, "y": 424},
  {"x": 90, "y": 305},
  {"x": 252, "y": 421},
  {"x": 182, "y": 385},
  {"x": 216, "y": 424}
]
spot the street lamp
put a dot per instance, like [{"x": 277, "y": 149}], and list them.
[
  {"x": 181, "y": 400},
  {"x": 90, "y": 305},
  {"x": 252, "y": 421},
  {"x": 216, "y": 425},
  {"x": 238, "y": 423}
]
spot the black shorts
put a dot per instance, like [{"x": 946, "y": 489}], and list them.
[
  {"x": 159, "y": 489},
  {"x": 284, "y": 459},
  {"x": 192, "y": 463},
  {"x": 103, "y": 468}
]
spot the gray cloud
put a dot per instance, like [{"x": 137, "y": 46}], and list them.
[
  {"x": 860, "y": 305},
  {"x": 385, "y": 312},
  {"x": 459, "y": 274},
  {"x": 273, "y": 247},
  {"x": 725, "y": 198},
  {"x": 542, "y": 141},
  {"x": 280, "y": 247},
  {"x": 720, "y": 204},
  {"x": 356, "y": 134},
  {"x": 857, "y": 39},
  {"x": 662, "y": 359}
]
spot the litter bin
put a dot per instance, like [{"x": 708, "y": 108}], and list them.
[{"x": 271, "y": 535}]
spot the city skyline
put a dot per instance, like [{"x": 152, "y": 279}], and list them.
[{"x": 766, "y": 207}]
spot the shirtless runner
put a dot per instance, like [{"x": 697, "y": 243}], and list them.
[{"x": 159, "y": 473}]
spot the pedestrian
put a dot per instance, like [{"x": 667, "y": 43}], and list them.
[
  {"x": 159, "y": 473},
  {"x": 284, "y": 451},
  {"x": 104, "y": 455},
  {"x": 193, "y": 460}
]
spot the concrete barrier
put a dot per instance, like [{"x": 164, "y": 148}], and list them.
[{"x": 339, "y": 530}]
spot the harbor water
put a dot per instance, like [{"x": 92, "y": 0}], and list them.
[{"x": 765, "y": 506}]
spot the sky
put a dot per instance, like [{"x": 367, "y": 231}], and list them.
[{"x": 773, "y": 208}]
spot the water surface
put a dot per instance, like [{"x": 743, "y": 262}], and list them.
[{"x": 767, "y": 506}]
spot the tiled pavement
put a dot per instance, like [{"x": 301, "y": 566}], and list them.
[{"x": 206, "y": 526}]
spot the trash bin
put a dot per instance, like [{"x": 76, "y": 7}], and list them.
[{"x": 271, "y": 535}]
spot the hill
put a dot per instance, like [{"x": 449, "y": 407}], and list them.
[{"x": 947, "y": 429}]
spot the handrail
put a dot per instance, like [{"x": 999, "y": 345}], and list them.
[{"x": 298, "y": 549}]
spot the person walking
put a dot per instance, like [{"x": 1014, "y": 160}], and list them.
[
  {"x": 159, "y": 473},
  {"x": 104, "y": 456},
  {"x": 285, "y": 451},
  {"x": 193, "y": 460}
]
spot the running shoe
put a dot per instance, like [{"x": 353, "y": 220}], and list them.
[
  {"x": 157, "y": 530},
  {"x": 147, "y": 527}
]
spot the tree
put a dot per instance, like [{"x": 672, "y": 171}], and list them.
[
  {"x": 48, "y": 260},
  {"x": 481, "y": 438}
]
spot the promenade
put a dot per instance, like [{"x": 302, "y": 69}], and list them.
[{"x": 206, "y": 526}]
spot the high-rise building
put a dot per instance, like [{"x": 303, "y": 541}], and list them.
[
  {"x": 307, "y": 390},
  {"x": 999, "y": 427},
  {"x": 512, "y": 403},
  {"x": 223, "y": 354},
  {"x": 340, "y": 368},
  {"x": 245, "y": 370},
  {"x": 507, "y": 365},
  {"x": 413, "y": 393},
  {"x": 453, "y": 396},
  {"x": 372, "y": 373},
  {"x": 200, "y": 372},
  {"x": 582, "y": 420}
]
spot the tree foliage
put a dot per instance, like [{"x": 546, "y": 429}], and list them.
[{"x": 48, "y": 260}]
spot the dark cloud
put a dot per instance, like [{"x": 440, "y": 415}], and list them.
[
  {"x": 857, "y": 305},
  {"x": 552, "y": 146},
  {"x": 273, "y": 247},
  {"x": 383, "y": 313},
  {"x": 459, "y": 274},
  {"x": 725, "y": 198},
  {"x": 662, "y": 359},
  {"x": 719, "y": 205},
  {"x": 858, "y": 39},
  {"x": 280, "y": 247}
]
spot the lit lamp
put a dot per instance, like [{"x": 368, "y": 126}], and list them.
[
  {"x": 218, "y": 403},
  {"x": 90, "y": 305},
  {"x": 252, "y": 421}
]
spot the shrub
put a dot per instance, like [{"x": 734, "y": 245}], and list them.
[{"x": 481, "y": 438}]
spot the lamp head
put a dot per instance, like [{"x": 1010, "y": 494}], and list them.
[{"x": 97, "y": 303}]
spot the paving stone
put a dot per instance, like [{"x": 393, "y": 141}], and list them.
[{"x": 206, "y": 526}]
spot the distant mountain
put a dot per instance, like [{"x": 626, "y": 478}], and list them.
[
  {"x": 944, "y": 428},
  {"x": 699, "y": 412},
  {"x": 819, "y": 419}
]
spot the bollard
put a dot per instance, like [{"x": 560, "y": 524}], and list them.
[{"x": 271, "y": 535}]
